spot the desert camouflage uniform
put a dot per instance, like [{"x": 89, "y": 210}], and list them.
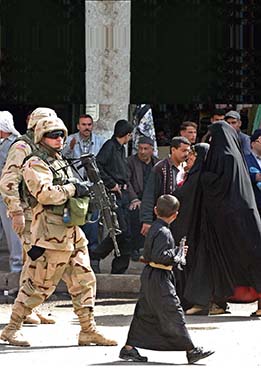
[
  {"x": 65, "y": 257},
  {"x": 11, "y": 177},
  {"x": 10, "y": 182},
  {"x": 9, "y": 186}
]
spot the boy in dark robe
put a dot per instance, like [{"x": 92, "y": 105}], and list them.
[{"x": 158, "y": 322}]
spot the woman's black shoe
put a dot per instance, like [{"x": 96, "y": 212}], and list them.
[
  {"x": 132, "y": 355},
  {"x": 196, "y": 354}
]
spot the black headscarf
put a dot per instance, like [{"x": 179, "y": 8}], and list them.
[{"x": 229, "y": 250}]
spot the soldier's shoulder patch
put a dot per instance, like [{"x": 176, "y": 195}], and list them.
[
  {"x": 20, "y": 146},
  {"x": 35, "y": 162}
]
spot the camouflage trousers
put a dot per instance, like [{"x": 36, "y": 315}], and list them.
[
  {"x": 40, "y": 278},
  {"x": 26, "y": 239}
]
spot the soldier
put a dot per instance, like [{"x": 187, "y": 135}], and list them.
[
  {"x": 19, "y": 209},
  {"x": 58, "y": 251}
]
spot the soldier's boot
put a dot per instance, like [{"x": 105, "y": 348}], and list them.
[
  {"x": 12, "y": 334},
  {"x": 38, "y": 318},
  {"x": 89, "y": 334},
  {"x": 32, "y": 319},
  {"x": 45, "y": 319}
]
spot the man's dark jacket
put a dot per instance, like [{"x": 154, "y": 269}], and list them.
[
  {"x": 112, "y": 163},
  {"x": 135, "y": 169}
]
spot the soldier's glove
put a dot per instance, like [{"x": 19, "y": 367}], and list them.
[
  {"x": 18, "y": 222},
  {"x": 82, "y": 189}
]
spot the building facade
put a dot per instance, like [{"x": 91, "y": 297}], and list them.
[{"x": 103, "y": 55}]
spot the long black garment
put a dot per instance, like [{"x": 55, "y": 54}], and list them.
[
  {"x": 158, "y": 322},
  {"x": 187, "y": 222},
  {"x": 229, "y": 249},
  {"x": 190, "y": 198}
]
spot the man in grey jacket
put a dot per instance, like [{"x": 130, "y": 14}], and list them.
[{"x": 85, "y": 141}]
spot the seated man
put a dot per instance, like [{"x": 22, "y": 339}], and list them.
[{"x": 139, "y": 166}]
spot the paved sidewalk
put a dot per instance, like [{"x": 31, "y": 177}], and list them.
[{"x": 234, "y": 337}]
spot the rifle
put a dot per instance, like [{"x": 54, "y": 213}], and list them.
[{"x": 104, "y": 201}]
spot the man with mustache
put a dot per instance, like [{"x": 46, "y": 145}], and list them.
[{"x": 85, "y": 141}]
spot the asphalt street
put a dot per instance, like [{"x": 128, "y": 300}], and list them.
[{"x": 234, "y": 337}]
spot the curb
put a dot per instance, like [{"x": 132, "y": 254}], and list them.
[{"x": 106, "y": 283}]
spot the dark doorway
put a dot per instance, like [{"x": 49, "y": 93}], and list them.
[
  {"x": 195, "y": 51},
  {"x": 42, "y": 58}
]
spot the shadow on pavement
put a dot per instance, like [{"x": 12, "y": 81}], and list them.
[
  {"x": 115, "y": 302},
  {"x": 118, "y": 320},
  {"x": 149, "y": 363},
  {"x": 123, "y": 320},
  {"x": 8, "y": 349},
  {"x": 110, "y": 302},
  {"x": 218, "y": 319}
]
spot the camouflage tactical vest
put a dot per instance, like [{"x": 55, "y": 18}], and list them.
[
  {"x": 61, "y": 174},
  {"x": 28, "y": 138}
]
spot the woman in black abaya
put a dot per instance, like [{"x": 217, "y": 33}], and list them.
[
  {"x": 187, "y": 222},
  {"x": 228, "y": 262}
]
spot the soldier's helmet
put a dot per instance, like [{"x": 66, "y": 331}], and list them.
[
  {"x": 47, "y": 125},
  {"x": 38, "y": 114}
]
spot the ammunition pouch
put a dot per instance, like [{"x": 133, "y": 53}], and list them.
[
  {"x": 56, "y": 210},
  {"x": 78, "y": 209}
]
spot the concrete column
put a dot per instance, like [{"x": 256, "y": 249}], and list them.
[{"x": 108, "y": 60}]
